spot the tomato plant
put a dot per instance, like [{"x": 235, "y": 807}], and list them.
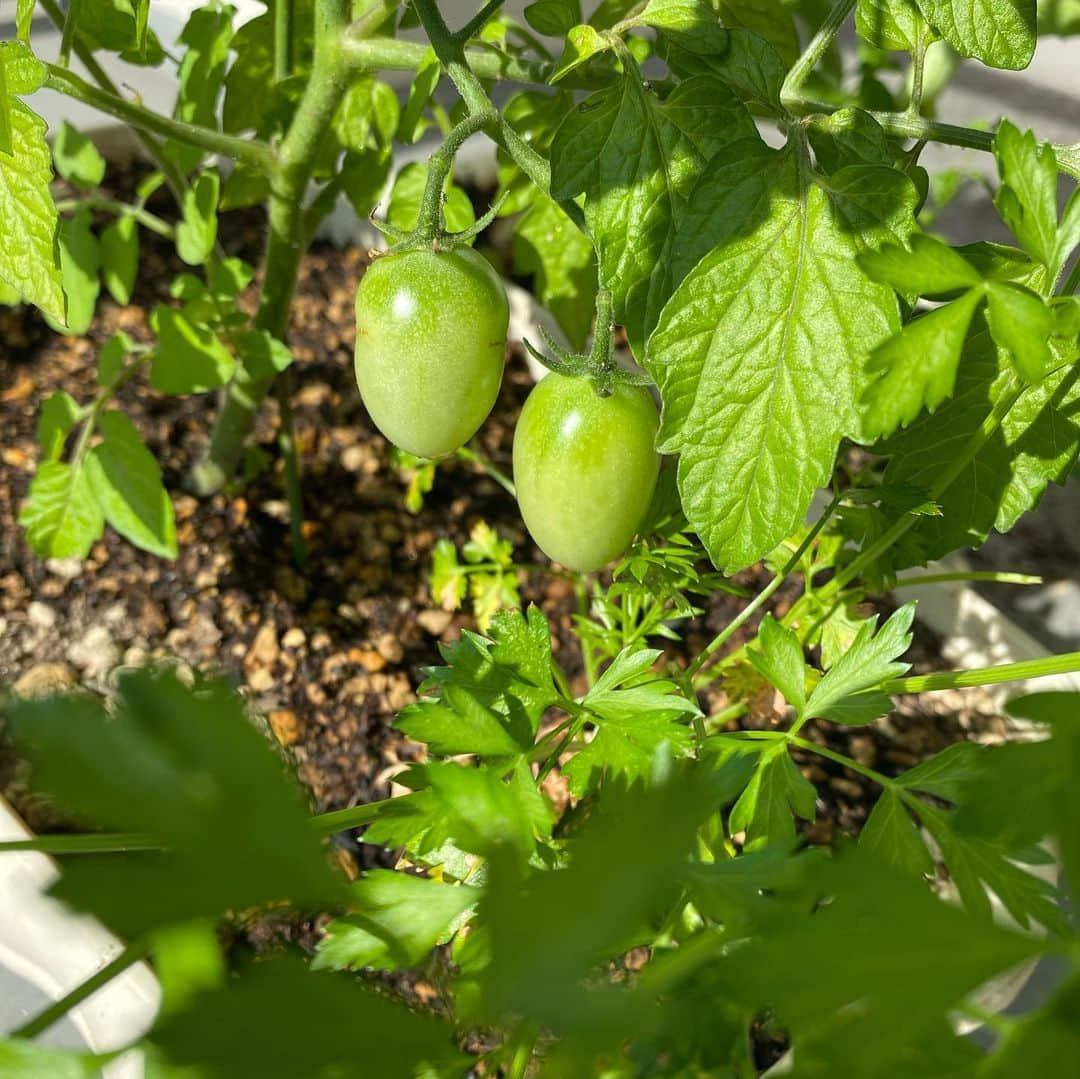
[
  {"x": 600, "y": 870},
  {"x": 430, "y": 340}
]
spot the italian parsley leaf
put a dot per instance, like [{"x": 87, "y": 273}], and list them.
[
  {"x": 188, "y": 769},
  {"x": 400, "y": 918},
  {"x": 849, "y": 693},
  {"x": 635, "y": 716}
]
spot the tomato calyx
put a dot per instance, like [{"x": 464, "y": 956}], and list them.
[{"x": 599, "y": 364}]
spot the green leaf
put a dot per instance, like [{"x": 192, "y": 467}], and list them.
[
  {"x": 262, "y": 355},
  {"x": 1038, "y": 1043},
  {"x": 29, "y": 261},
  {"x": 23, "y": 72},
  {"x": 1036, "y": 445},
  {"x": 1027, "y": 197},
  {"x": 21, "y": 1059},
  {"x": 946, "y": 773},
  {"x": 637, "y": 159},
  {"x": 59, "y": 414},
  {"x": 207, "y": 37},
  {"x": 896, "y": 25},
  {"x": 80, "y": 263},
  {"x": 759, "y": 312},
  {"x": 77, "y": 158},
  {"x": 917, "y": 368},
  {"x": 1021, "y": 323},
  {"x": 745, "y": 61},
  {"x": 472, "y": 809},
  {"x": 458, "y": 723},
  {"x": 187, "y": 961},
  {"x": 421, "y": 88},
  {"x": 548, "y": 246},
  {"x": 400, "y": 919},
  {"x": 112, "y": 356},
  {"x": 188, "y": 769},
  {"x": 779, "y": 658},
  {"x": 929, "y": 268},
  {"x": 977, "y": 865},
  {"x": 877, "y": 935},
  {"x": 120, "y": 257},
  {"x": 848, "y": 692},
  {"x": 448, "y": 579},
  {"x": 364, "y": 176},
  {"x": 893, "y": 837},
  {"x": 24, "y": 15},
  {"x": 61, "y": 516},
  {"x": 127, "y": 484},
  {"x": 774, "y": 22},
  {"x": 582, "y": 43},
  {"x": 107, "y": 24},
  {"x": 551, "y": 930},
  {"x": 553, "y": 17},
  {"x": 188, "y": 358},
  {"x": 636, "y": 715},
  {"x": 249, "y": 1026},
  {"x": 408, "y": 191},
  {"x": 1000, "y": 33},
  {"x": 848, "y": 136},
  {"x": 509, "y": 673},
  {"x": 776, "y": 790},
  {"x": 196, "y": 231},
  {"x": 368, "y": 116}
]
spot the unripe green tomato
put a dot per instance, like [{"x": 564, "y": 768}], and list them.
[
  {"x": 430, "y": 344},
  {"x": 585, "y": 467}
]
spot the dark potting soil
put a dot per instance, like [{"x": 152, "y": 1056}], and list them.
[{"x": 330, "y": 654}]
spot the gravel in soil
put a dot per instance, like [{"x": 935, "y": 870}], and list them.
[{"x": 328, "y": 655}]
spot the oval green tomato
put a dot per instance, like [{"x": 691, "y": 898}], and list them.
[
  {"x": 585, "y": 467},
  {"x": 430, "y": 343}
]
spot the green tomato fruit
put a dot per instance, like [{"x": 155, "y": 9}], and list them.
[
  {"x": 430, "y": 343},
  {"x": 585, "y": 467}
]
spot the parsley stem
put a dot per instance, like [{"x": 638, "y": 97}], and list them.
[
  {"x": 967, "y": 575},
  {"x": 136, "y": 950},
  {"x": 1066, "y": 663},
  {"x": 95, "y": 843}
]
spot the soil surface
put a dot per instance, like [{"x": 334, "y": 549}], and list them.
[{"x": 330, "y": 654}]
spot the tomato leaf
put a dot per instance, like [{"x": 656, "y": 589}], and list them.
[
  {"x": 1000, "y": 33},
  {"x": 1021, "y": 323},
  {"x": 76, "y": 158},
  {"x": 207, "y": 36},
  {"x": 759, "y": 312},
  {"x": 120, "y": 257},
  {"x": 1037, "y": 444},
  {"x": 196, "y": 232},
  {"x": 127, "y": 483},
  {"x": 637, "y": 159},
  {"x": 917, "y": 368},
  {"x": 28, "y": 221},
  {"x": 61, "y": 516},
  {"x": 188, "y": 358},
  {"x": 59, "y": 414},
  {"x": 892, "y": 24}
]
